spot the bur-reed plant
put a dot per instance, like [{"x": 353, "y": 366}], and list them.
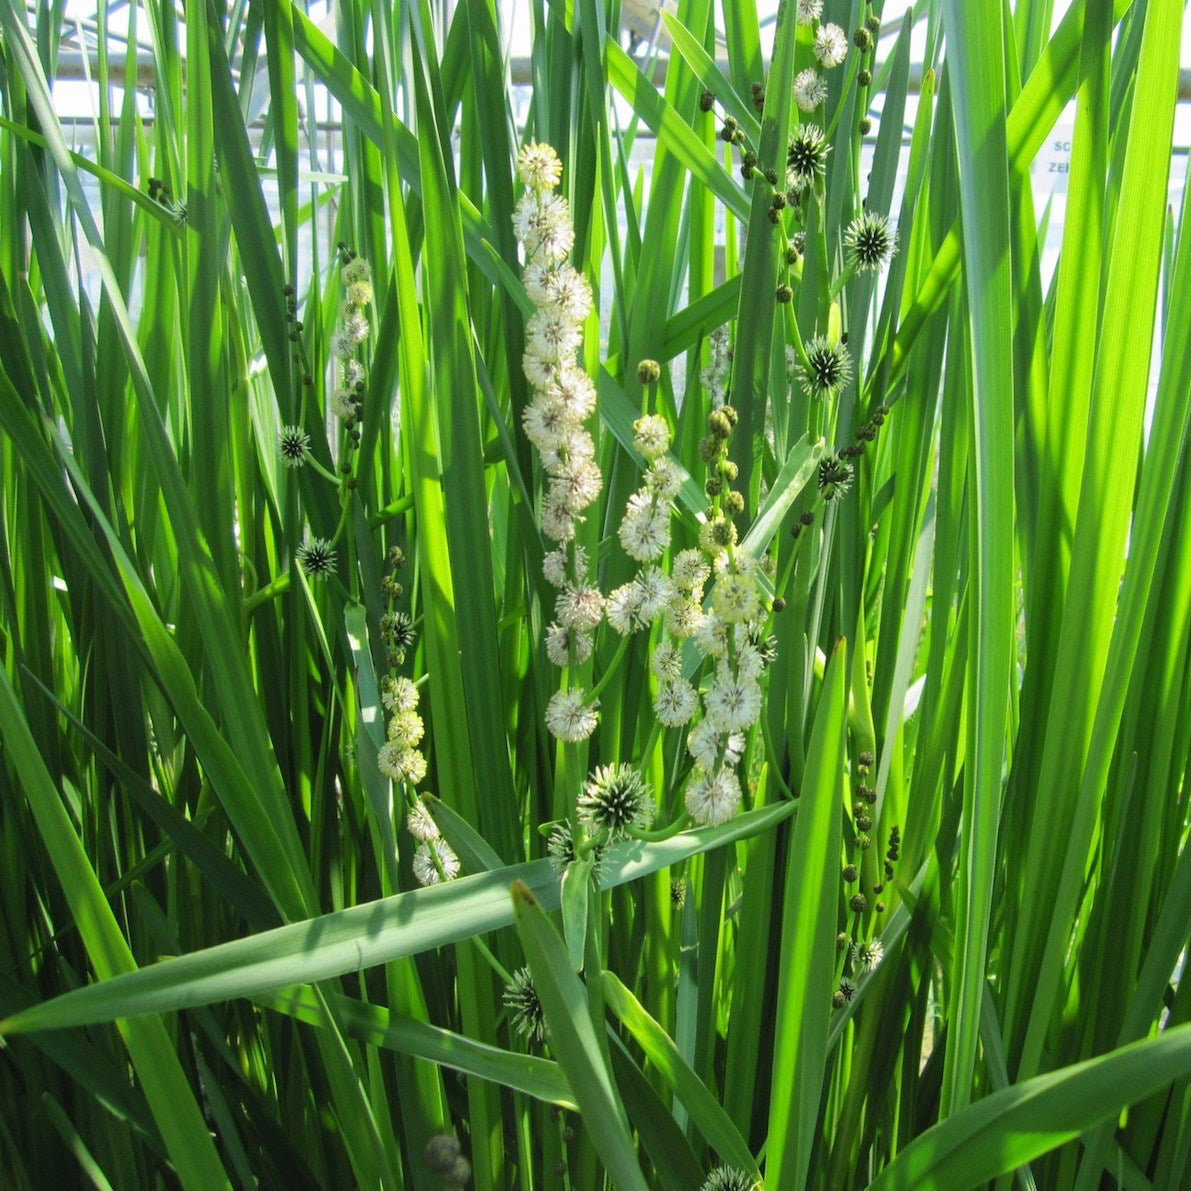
[{"x": 525, "y": 671}]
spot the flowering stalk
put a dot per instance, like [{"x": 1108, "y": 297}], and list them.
[{"x": 316, "y": 555}]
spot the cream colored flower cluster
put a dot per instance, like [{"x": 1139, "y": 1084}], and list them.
[
  {"x": 399, "y": 757},
  {"x": 434, "y": 859},
  {"x": 400, "y": 760},
  {"x": 353, "y": 330},
  {"x": 714, "y": 378},
  {"x": 729, "y": 632},
  {"x": 645, "y": 532},
  {"x": 555, "y": 422},
  {"x": 830, "y": 48}
]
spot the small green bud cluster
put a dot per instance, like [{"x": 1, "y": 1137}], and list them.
[
  {"x": 396, "y": 626},
  {"x": 866, "y": 433},
  {"x": 805, "y": 520}
]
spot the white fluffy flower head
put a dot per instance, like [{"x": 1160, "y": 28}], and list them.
[
  {"x": 539, "y": 167},
  {"x": 651, "y": 436},
  {"x": 426, "y": 871},
  {"x": 542, "y": 222},
  {"x": 831, "y": 45},
  {"x": 712, "y": 800},
  {"x": 675, "y": 703},
  {"x": 810, "y": 89},
  {"x": 645, "y": 528},
  {"x": 733, "y": 703},
  {"x": 569, "y": 715}
]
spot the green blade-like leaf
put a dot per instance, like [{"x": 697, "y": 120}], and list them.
[
  {"x": 807, "y": 971},
  {"x": 373, "y": 933},
  {"x": 1014, "y": 1126},
  {"x": 167, "y": 1093},
  {"x": 573, "y": 1041},
  {"x": 974, "y": 33},
  {"x": 705, "y": 1112}
]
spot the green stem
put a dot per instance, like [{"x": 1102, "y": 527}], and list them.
[
  {"x": 845, "y": 276},
  {"x": 617, "y": 658},
  {"x": 263, "y": 595},
  {"x": 853, "y": 66},
  {"x": 401, "y": 505},
  {"x": 314, "y": 465},
  {"x": 493, "y": 962}
]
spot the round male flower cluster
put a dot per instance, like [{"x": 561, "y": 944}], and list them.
[
  {"x": 867, "y": 957},
  {"x": 578, "y": 609},
  {"x": 353, "y": 330},
  {"x": 808, "y": 11},
  {"x": 445, "y": 1157},
  {"x": 732, "y": 703},
  {"x": 571, "y": 716},
  {"x": 538, "y": 167},
  {"x": 639, "y": 602},
  {"x": 712, "y": 798},
  {"x": 810, "y": 89},
  {"x": 676, "y": 700},
  {"x": 434, "y": 859},
  {"x": 831, "y": 45}
]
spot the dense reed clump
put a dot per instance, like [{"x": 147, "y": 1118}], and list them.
[{"x": 521, "y": 670}]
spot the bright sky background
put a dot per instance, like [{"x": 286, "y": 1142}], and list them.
[{"x": 76, "y": 99}]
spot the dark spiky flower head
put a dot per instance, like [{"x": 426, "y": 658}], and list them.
[
  {"x": 316, "y": 557},
  {"x": 870, "y": 241},
  {"x": 728, "y": 1178},
  {"x": 560, "y": 849},
  {"x": 615, "y": 799},
  {"x": 294, "y": 444},
  {"x": 867, "y": 957},
  {"x": 397, "y": 631},
  {"x": 560, "y": 846},
  {"x": 806, "y": 155},
  {"x": 835, "y": 476},
  {"x": 828, "y": 368},
  {"x": 521, "y": 999}
]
